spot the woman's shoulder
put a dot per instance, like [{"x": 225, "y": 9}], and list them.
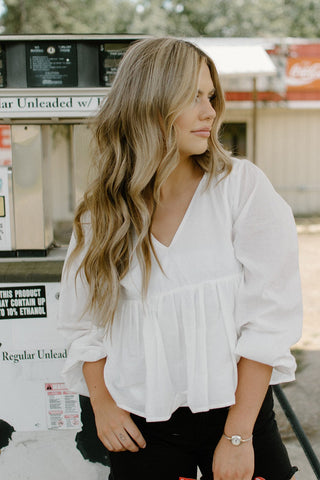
[
  {"x": 244, "y": 184},
  {"x": 249, "y": 185},
  {"x": 244, "y": 169},
  {"x": 243, "y": 175}
]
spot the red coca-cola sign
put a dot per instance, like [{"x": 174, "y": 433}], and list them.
[{"x": 303, "y": 73}]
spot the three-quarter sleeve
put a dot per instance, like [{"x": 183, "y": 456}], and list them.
[
  {"x": 85, "y": 341},
  {"x": 268, "y": 306}
]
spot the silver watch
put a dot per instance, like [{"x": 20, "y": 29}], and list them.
[{"x": 236, "y": 440}]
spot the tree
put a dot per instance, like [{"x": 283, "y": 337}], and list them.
[
  {"x": 229, "y": 18},
  {"x": 67, "y": 16},
  {"x": 214, "y": 18},
  {"x": 303, "y": 18},
  {"x": 151, "y": 18},
  {"x": 232, "y": 18}
]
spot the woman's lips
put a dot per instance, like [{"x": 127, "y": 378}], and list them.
[{"x": 202, "y": 133}]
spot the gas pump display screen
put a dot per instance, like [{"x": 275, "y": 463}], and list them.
[
  {"x": 110, "y": 56},
  {"x": 51, "y": 64},
  {"x": 3, "y": 73}
]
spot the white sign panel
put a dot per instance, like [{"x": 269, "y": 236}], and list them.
[
  {"x": 50, "y": 106},
  {"x": 32, "y": 354}
]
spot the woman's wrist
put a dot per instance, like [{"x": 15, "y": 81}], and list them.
[
  {"x": 253, "y": 381},
  {"x": 98, "y": 392},
  {"x": 238, "y": 423},
  {"x": 99, "y": 395},
  {"x": 237, "y": 440}
]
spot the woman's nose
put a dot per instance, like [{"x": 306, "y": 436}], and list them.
[{"x": 208, "y": 112}]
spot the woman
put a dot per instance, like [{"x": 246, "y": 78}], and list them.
[{"x": 180, "y": 295}]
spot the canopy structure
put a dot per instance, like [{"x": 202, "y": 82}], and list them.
[{"x": 237, "y": 60}]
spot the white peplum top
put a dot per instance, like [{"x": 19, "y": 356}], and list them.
[{"x": 229, "y": 288}]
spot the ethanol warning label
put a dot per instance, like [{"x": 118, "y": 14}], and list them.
[{"x": 23, "y": 302}]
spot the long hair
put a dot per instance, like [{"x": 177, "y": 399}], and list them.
[{"x": 135, "y": 152}]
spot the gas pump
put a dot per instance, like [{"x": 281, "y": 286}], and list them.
[{"x": 49, "y": 86}]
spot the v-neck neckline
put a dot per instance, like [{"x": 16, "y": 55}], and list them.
[{"x": 184, "y": 218}]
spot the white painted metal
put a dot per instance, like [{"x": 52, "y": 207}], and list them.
[{"x": 238, "y": 60}]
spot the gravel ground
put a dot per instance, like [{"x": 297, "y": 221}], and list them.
[{"x": 304, "y": 394}]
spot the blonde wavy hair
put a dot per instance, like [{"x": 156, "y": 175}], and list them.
[{"x": 135, "y": 152}]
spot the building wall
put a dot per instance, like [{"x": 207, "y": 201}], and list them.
[{"x": 288, "y": 151}]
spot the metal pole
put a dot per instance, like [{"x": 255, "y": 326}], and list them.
[
  {"x": 254, "y": 120},
  {"x": 298, "y": 430}
]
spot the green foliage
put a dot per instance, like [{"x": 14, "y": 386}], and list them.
[
  {"x": 67, "y": 16},
  {"x": 215, "y": 18},
  {"x": 303, "y": 18}
]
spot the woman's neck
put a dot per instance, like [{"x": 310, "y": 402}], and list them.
[{"x": 185, "y": 173}]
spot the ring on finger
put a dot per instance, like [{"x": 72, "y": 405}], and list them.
[{"x": 121, "y": 437}]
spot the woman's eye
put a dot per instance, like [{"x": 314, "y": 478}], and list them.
[{"x": 210, "y": 98}]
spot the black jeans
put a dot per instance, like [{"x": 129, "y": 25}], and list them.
[{"x": 176, "y": 448}]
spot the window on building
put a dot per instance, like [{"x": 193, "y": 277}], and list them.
[{"x": 233, "y": 137}]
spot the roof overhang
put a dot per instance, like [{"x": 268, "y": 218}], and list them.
[{"x": 237, "y": 61}]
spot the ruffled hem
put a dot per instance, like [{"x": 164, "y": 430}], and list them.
[
  {"x": 166, "y": 417},
  {"x": 181, "y": 341}
]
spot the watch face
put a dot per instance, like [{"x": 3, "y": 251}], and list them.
[{"x": 236, "y": 440}]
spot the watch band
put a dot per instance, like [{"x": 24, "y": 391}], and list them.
[{"x": 236, "y": 440}]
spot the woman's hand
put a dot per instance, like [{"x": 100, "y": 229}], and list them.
[
  {"x": 115, "y": 427},
  {"x": 233, "y": 462}
]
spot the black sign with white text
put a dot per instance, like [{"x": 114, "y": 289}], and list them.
[
  {"x": 110, "y": 56},
  {"x": 51, "y": 64},
  {"x": 23, "y": 302}
]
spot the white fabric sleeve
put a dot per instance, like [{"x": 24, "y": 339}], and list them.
[
  {"x": 85, "y": 340},
  {"x": 269, "y": 304}
]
